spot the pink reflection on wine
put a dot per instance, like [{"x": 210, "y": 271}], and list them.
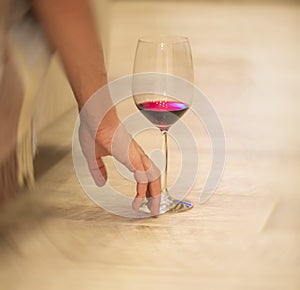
[{"x": 163, "y": 113}]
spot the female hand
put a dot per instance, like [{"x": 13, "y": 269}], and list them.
[{"x": 111, "y": 138}]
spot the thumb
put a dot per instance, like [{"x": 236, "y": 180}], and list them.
[
  {"x": 95, "y": 163},
  {"x": 97, "y": 170}
]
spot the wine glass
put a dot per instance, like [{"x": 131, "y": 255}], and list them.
[{"x": 163, "y": 55}]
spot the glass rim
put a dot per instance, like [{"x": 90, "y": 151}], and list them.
[{"x": 162, "y": 38}]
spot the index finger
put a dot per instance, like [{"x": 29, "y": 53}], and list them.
[{"x": 154, "y": 196}]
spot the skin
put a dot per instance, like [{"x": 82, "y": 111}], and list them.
[{"x": 70, "y": 28}]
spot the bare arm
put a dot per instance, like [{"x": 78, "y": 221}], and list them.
[{"x": 71, "y": 30}]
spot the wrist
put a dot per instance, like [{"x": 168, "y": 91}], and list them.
[{"x": 88, "y": 86}]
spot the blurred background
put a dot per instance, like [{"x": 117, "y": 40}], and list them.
[{"x": 247, "y": 236}]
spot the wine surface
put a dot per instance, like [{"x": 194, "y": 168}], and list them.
[{"x": 163, "y": 113}]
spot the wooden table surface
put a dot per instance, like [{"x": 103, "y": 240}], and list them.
[{"x": 246, "y": 236}]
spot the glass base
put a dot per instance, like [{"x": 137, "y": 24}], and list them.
[{"x": 169, "y": 204}]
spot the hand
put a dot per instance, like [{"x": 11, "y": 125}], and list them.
[{"x": 111, "y": 138}]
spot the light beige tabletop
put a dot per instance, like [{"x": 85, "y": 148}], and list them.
[{"x": 247, "y": 235}]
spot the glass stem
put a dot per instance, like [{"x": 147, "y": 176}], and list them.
[{"x": 165, "y": 175}]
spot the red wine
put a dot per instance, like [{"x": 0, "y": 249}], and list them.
[{"x": 163, "y": 113}]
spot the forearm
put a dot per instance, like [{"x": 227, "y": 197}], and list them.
[{"x": 70, "y": 27}]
